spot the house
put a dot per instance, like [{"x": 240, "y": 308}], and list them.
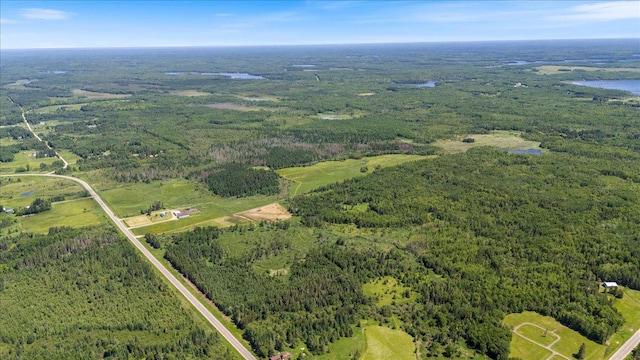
[
  {"x": 610, "y": 285},
  {"x": 282, "y": 356},
  {"x": 9, "y": 211}
]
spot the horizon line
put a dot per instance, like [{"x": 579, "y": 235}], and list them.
[{"x": 302, "y": 45}]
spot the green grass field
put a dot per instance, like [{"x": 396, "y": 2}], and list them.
[
  {"x": 308, "y": 178},
  {"x": 570, "y": 341},
  {"x": 74, "y": 213},
  {"x": 24, "y": 159},
  {"x": 387, "y": 344},
  {"x": 629, "y": 307},
  {"x": 568, "y": 344}
]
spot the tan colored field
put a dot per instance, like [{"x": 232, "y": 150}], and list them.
[
  {"x": 271, "y": 212},
  {"x": 189, "y": 93},
  {"x": 557, "y": 69},
  {"x": 137, "y": 221},
  {"x": 500, "y": 139},
  {"x": 366, "y": 94},
  {"x": 19, "y": 85},
  {"x": 97, "y": 95}
]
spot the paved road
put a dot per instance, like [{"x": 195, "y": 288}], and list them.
[
  {"x": 246, "y": 354},
  {"x": 627, "y": 347}
]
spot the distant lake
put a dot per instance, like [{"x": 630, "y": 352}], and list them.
[
  {"x": 242, "y": 76},
  {"x": 626, "y": 85},
  {"x": 420, "y": 85},
  {"x": 527, "y": 151}
]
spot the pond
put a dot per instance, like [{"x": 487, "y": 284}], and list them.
[
  {"x": 526, "y": 151},
  {"x": 420, "y": 85},
  {"x": 632, "y": 86}
]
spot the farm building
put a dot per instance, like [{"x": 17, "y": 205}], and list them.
[{"x": 609, "y": 284}]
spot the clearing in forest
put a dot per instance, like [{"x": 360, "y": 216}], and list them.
[
  {"x": 387, "y": 344},
  {"x": 327, "y": 172},
  {"x": 188, "y": 93},
  {"x": 509, "y": 140},
  {"x": 271, "y": 212},
  {"x": 538, "y": 337},
  {"x": 98, "y": 95},
  {"x": 235, "y": 106}
]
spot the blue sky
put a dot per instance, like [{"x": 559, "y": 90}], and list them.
[{"x": 77, "y": 24}]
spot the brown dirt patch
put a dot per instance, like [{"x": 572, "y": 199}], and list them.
[{"x": 271, "y": 212}]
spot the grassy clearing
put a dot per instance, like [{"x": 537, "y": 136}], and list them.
[
  {"x": 236, "y": 107},
  {"x": 18, "y": 192},
  {"x": 25, "y": 160},
  {"x": 501, "y": 139},
  {"x": 558, "y": 69},
  {"x": 537, "y": 334},
  {"x": 312, "y": 177},
  {"x": 54, "y": 108},
  {"x": 92, "y": 95},
  {"x": 568, "y": 344},
  {"x": 383, "y": 343},
  {"x": 388, "y": 290},
  {"x": 74, "y": 213},
  {"x": 629, "y": 307},
  {"x": 70, "y": 157},
  {"x": 188, "y": 93}
]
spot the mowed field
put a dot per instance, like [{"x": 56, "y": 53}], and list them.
[
  {"x": 74, "y": 211},
  {"x": 23, "y": 159},
  {"x": 509, "y": 140},
  {"x": 569, "y": 341},
  {"x": 308, "y": 178},
  {"x": 383, "y": 343}
]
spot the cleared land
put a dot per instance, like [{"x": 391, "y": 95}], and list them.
[
  {"x": 93, "y": 95},
  {"x": 559, "y": 69},
  {"x": 188, "y": 93},
  {"x": 509, "y": 140},
  {"x": 53, "y": 108},
  {"x": 271, "y": 212},
  {"x": 74, "y": 213},
  {"x": 24, "y": 159},
  {"x": 387, "y": 290},
  {"x": 568, "y": 344},
  {"x": 384, "y": 343},
  {"x": 235, "y": 106},
  {"x": 312, "y": 177}
]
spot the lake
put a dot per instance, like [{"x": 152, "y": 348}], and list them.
[
  {"x": 420, "y": 85},
  {"x": 632, "y": 86}
]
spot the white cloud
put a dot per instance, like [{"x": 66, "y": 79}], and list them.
[
  {"x": 603, "y": 11},
  {"x": 5, "y": 21},
  {"x": 44, "y": 14}
]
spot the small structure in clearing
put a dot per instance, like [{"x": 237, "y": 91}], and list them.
[{"x": 610, "y": 285}]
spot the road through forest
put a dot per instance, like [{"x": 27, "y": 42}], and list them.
[{"x": 246, "y": 354}]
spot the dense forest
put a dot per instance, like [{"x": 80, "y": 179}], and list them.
[{"x": 86, "y": 294}]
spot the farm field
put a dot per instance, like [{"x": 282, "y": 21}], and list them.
[
  {"x": 75, "y": 213},
  {"x": 311, "y": 177},
  {"x": 507, "y": 140},
  {"x": 560, "y": 69}
]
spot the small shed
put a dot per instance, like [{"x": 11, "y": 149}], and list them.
[{"x": 610, "y": 285}]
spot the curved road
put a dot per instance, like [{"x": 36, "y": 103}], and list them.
[{"x": 246, "y": 354}]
